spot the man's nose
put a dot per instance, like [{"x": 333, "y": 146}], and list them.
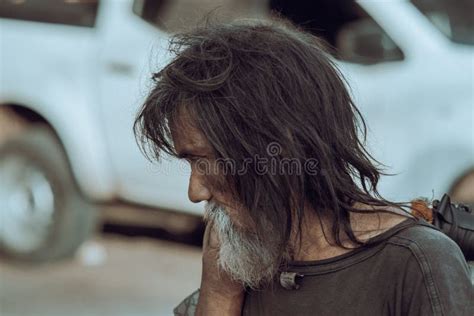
[{"x": 197, "y": 190}]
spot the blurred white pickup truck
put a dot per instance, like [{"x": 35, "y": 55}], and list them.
[{"x": 73, "y": 74}]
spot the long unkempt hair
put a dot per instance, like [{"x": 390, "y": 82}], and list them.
[{"x": 248, "y": 84}]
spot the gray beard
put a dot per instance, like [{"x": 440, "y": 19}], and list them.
[{"x": 243, "y": 255}]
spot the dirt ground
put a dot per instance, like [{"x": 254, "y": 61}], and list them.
[{"x": 111, "y": 275}]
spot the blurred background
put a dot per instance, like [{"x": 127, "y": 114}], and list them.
[{"x": 89, "y": 227}]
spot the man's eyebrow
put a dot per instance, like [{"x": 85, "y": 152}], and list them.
[
  {"x": 186, "y": 153},
  {"x": 183, "y": 154}
]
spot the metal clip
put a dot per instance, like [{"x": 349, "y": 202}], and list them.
[{"x": 288, "y": 280}]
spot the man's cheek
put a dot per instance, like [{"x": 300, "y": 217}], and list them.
[{"x": 242, "y": 220}]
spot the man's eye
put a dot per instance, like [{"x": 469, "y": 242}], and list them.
[{"x": 193, "y": 159}]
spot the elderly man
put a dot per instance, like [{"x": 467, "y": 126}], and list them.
[{"x": 295, "y": 225}]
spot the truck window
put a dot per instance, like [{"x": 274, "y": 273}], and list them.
[
  {"x": 69, "y": 12},
  {"x": 350, "y": 32},
  {"x": 454, "y": 18},
  {"x": 178, "y": 15}
]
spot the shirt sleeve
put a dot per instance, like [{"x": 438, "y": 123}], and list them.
[
  {"x": 188, "y": 306},
  {"x": 437, "y": 279}
]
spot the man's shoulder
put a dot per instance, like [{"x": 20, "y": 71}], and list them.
[
  {"x": 429, "y": 247},
  {"x": 432, "y": 260},
  {"x": 420, "y": 236}
]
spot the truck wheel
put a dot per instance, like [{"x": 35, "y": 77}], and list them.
[
  {"x": 462, "y": 190},
  {"x": 43, "y": 216}
]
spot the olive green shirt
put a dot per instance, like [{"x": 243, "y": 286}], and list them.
[{"x": 411, "y": 269}]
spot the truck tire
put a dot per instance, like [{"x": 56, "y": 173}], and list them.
[{"x": 43, "y": 216}]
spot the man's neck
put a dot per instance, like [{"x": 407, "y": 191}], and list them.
[{"x": 318, "y": 242}]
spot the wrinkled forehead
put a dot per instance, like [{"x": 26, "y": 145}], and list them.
[{"x": 186, "y": 135}]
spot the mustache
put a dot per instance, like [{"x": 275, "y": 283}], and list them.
[
  {"x": 211, "y": 209},
  {"x": 216, "y": 212}
]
